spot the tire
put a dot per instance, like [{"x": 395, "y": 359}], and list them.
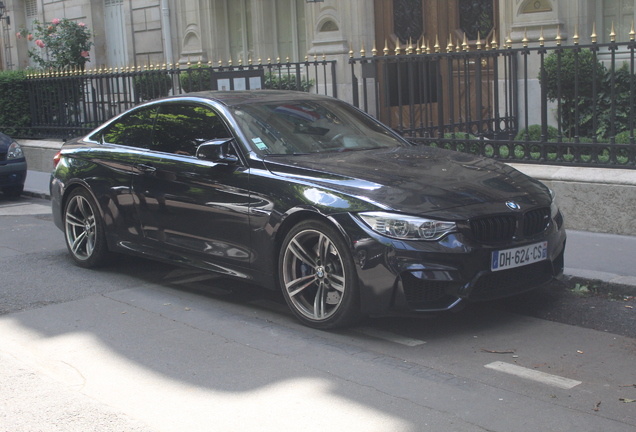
[
  {"x": 318, "y": 277},
  {"x": 84, "y": 230},
  {"x": 13, "y": 191}
]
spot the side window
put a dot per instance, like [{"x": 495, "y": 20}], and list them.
[
  {"x": 133, "y": 129},
  {"x": 181, "y": 128}
]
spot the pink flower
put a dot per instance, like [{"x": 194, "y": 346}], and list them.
[
  {"x": 39, "y": 43},
  {"x": 84, "y": 53},
  {"x": 81, "y": 24},
  {"x": 55, "y": 21},
  {"x": 30, "y": 37},
  {"x": 18, "y": 35}
]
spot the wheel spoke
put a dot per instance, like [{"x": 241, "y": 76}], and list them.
[
  {"x": 77, "y": 242},
  {"x": 324, "y": 244},
  {"x": 71, "y": 219},
  {"x": 298, "y": 285},
  {"x": 320, "y": 302},
  {"x": 302, "y": 254},
  {"x": 84, "y": 208},
  {"x": 337, "y": 282}
]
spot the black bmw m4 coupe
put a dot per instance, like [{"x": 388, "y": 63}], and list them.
[{"x": 309, "y": 195}]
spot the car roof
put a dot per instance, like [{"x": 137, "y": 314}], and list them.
[{"x": 242, "y": 97}]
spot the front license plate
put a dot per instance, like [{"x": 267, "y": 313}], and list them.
[{"x": 517, "y": 257}]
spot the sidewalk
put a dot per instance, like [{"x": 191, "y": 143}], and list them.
[{"x": 605, "y": 257}]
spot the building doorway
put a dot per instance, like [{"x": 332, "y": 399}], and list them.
[{"x": 419, "y": 22}]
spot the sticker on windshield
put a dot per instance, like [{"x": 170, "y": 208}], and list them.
[{"x": 259, "y": 143}]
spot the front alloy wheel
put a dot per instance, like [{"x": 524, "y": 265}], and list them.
[
  {"x": 318, "y": 277},
  {"x": 84, "y": 230}
]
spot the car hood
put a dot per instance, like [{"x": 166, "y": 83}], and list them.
[{"x": 416, "y": 180}]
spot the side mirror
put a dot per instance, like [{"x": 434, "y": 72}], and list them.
[{"x": 217, "y": 150}]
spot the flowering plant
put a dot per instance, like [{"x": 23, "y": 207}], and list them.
[{"x": 61, "y": 44}]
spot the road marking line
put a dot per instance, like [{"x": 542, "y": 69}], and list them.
[
  {"x": 388, "y": 336},
  {"x": 535, "y": 375}
]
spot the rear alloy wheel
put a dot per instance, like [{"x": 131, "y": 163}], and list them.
[
  {"x": 318, "y": 277},
  {"x": 84, "y": 230}
]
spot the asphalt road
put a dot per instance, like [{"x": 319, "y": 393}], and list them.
[{"x": 142, "y": 346}]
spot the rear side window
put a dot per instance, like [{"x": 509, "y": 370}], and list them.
[
  {"x": 181, "y": 128},
  {"x": 133, "y": 129}
]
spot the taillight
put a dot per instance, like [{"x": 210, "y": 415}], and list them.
[{"x": 56, "y": 158}]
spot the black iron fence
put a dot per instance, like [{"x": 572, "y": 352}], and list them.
[
  {"x": 568, "y": 105},
  {"x": 565, "y": 105},
  {"x": 71, "y": 103}
]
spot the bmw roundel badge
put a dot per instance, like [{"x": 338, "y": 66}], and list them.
[{"x": 513, "y": 205}]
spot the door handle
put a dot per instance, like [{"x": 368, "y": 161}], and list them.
[{"x": 145, "y": 168}]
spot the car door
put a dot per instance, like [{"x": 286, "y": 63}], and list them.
[
  {"x": 188, "y": 205},
  {"x": 113, "y": 156}
]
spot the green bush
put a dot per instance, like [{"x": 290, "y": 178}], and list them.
[
  {"x": 623, "y": 137},
  {"x": 534, "y": 133},
  {"x": 15, "y": 113},
  {"x": 587, "y": 108},
  {"x": 152, "y": 85},
  {"x": 459, "y": 146},
  {"x": 286, "y": 81},
  {"x": 196, "y": 78}
]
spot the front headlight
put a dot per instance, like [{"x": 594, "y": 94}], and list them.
[
  {"x": 14, "y": 152},
  {"x": 407, "y": 227}
]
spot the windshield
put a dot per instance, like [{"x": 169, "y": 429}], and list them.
[{"x": 310, "y": 126}]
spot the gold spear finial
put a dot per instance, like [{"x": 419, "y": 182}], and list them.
[
  {"x": 541, "y": 38},
  {"x": 525, "y": 38},
  {"x": 509, "y": 39},
  {"x": 418, "y": 46},
  {"x": 494, "y": 43},
  {"x": 374, "y": 51},
  {"x": 594, "y": 35},
  {"x": 398, "y": 48},
  {"x": 350, "y": 50},
  {"x": 576, "y": 34},
  {"x": 363, "y": 53},
  {"x": 478, "y": 41},
  {"x": 612, "y": 33},
  {"x": 409, "y": 48},
  {"x": 386, "y": 47},
  {"x": 427, "y": 46},
  {"x": 632, "y": 33},
  {"x": 465, "y": 43},
  {"x": 449, "y": 46},
  {"x": 558, "y": 36},
  {"x": 436, "y": 44}
]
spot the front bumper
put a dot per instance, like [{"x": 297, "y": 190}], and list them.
[
  {"x": 415, "y": 276},
  {"x": 13, "y": 172}
]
